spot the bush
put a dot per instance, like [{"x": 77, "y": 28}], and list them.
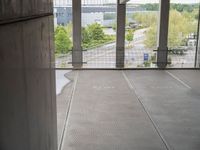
[
  {"x": 63, "y": 42},
  {"x": 93, "y": 36}
]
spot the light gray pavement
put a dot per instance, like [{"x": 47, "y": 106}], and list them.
[
  {"x": 105, "y": 114},
  {"x": 61, "y": 80},
  {"x": 134, "y": 110},
  {"x": 173, "y": 100},
  {"x": 190, "y": 77},
  {"x": 66, "y": 79}
]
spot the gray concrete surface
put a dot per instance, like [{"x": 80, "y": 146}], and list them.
[
  {"x": 189, "y": 77},
  {"x": 61, "y": 80},
  {"x": 173, "y": 100},
  {"x": 134, "y": 110},
  {"x": 27, "y": 76},
  {"x": 63, "y": 101},
  {"x": 106, "y": 115}
]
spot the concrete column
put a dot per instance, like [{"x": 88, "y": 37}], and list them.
[
  {"x": 121, "y": 22},
  {"x": 27, "y": 79},
  {"x": 197, "y": 54},
  {"x": 77, "y": 55},
  {"x": 162, "y": 55}
]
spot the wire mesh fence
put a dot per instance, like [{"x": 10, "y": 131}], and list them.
[
  {"x": 136, "y": 57},
  {"x": 101, "y": 57},
  {"x": 182, "y": 57},
  {"x": 139, "y": 52}
]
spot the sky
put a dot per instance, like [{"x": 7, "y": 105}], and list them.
[
  {"x": 156, "y": 1},
  {"x": 131, "y": 1}
]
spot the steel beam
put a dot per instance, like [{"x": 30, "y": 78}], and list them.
[
  {"x": 162, "y": 55},
  {"x": 77, "y": 55},
  {"x": 121, "y": 22}
]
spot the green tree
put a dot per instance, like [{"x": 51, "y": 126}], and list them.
[
  {"x": 86, "y": 39},
  {"x": 93, "y": 36},
  {"x": 62, "y": 41},
  {"x": 151, "y": 38},
  {"x": 59, "y": 28},
  {"x": 68, "y": 29},
  {"x": 181, "y": 24},
  {"x": 95, "y": 31},
  {"x": 129, "y": 36},
  {"x": 85, "y": 36},
  {"x": 114, "y": 26},
  {"x": 145, "y": 19},
  {"x": 151, "y": 7}
]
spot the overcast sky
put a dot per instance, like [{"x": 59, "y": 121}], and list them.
[
  {"x": 131, "y": 1},
  {"x": 172, "y": 1}
]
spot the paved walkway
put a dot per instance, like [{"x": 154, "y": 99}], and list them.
[{"x": 133, "y": 110}]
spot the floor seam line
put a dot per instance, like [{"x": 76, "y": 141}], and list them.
[
  {"x": 178, "y": 79},
  {"x": 68, "y": 111},
  {"x": 133, "y": 89}
]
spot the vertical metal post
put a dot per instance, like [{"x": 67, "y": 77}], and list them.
[
  {"x": 162, "y": 55},
  {"x": 197, "y": 52},
  {"x": 121, "y": 22},
  {"x": 77, "y": 56}
]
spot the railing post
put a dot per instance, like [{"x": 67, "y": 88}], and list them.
[
  {"x": 121, "y": 22},
  {"x": 197, "y": 52},
  {"x": 162, "y": 54},
  {"x": 77, "y": 55}
]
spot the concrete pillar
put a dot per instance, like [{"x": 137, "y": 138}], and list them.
[
  {"x": 162, "y": 54},
  {"x": 197, "y": 54},
  {"x": 77, "y": 55},
  {"x": 27, "y": 78},
  {"x": 120, "y": 45}
]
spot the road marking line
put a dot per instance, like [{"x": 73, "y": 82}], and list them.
[
  {"x": 176, "y": 78},
  {"x": 127, "y": 80},
  {"x": 63, "y": 136},
  {"x": 132, "y": 87}
]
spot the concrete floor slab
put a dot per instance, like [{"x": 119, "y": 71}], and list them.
[
  {"x": 63, "y": 101},
  {"x": 128, "y": 110},
  {"x": 173, "y": 100},
  {"x": 190, "y": 77},
  {"x": 105, "y": 114}
]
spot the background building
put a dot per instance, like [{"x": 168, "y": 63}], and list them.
[{"x": 90, "y": 13}]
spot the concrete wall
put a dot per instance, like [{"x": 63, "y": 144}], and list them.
[
  {"x": 12, "y": 9},
  {"x": 27, "y": 77}
]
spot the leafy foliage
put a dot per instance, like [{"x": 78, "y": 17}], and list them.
[
  {"x": 150, "y": 7},
  {"x": 181, "y": 24},
  {"x": 63, "y": 42},
  {"x": 129, "y": 36},
  {"x": 95, "y": 31},
  {"x": 145, "y": 18},
  {"x": 174, "y": 6},
  {"x": 93, "y": 35}
]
